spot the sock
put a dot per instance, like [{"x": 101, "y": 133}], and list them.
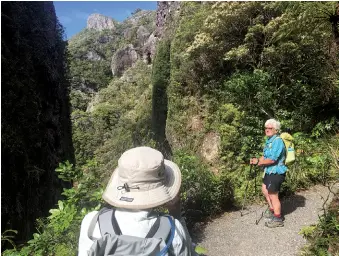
[
  {"x": 277, "y": 215},
  {"x": 272, "y": 210}
]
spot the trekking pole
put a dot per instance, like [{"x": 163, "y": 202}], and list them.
[
  {"x": 255, "y": 183},
  {"x": 255, "y": 194},
  {"x": 244, "y": 200},
  {"x": 255, "y": 189}
]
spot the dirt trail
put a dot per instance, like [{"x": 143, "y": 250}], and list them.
[{"x": 236, "y": 235}]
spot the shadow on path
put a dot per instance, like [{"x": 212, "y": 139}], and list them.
[{"x": 291, "y": 203}]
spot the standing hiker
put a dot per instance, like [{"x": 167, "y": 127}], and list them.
[
  {"x": 273, "y": 162},
  {"x": 142, "y": 181}
]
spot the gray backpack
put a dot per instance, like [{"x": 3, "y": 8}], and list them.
[{"x": 113, "y": 242}]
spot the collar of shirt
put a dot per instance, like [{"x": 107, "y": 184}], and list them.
[
  {"x": 136, "y": 215},
  {"x": 271, "y": 139}
]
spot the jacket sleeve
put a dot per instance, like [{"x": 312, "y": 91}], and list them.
[{"x": 182, "y": 243}]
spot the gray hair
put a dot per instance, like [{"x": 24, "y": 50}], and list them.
[{"x": 274, "y": 123}]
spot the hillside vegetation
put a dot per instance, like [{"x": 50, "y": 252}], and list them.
[{"x": 221, "y": 69}]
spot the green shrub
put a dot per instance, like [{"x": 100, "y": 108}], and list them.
[
  {"x": 160, "y": 81},
  {"x": 58, "y": 234},
  {"x": 203, "y": 193},
  {"x": 314, "y": 163},
  {"x": 323, "y": 238}
]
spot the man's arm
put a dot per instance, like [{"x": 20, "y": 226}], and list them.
[
  {"x": 85, "y": 242},
  {"x": 262, "y": 161},
  {"x": 265, "y": 162}
]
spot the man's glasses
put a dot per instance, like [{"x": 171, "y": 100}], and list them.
[{"x": 269, "y": 128}]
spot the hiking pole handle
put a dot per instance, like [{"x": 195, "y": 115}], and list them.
[{"x": 252, "y": 158}]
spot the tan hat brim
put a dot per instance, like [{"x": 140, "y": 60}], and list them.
[{"x": 144, "y": 199}]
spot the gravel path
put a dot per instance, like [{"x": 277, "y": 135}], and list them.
[{"x": 236, "y": 235}]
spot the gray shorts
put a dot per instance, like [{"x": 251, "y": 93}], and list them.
[{"x": 273, "y": 182}]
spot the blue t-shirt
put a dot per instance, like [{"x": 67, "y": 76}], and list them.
[{"x": 275, "y": 150}]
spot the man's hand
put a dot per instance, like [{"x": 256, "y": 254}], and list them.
[{"x": 254, "y": 161}]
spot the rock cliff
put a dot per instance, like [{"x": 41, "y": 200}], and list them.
[
  {"x": 165, "y": 11},
  {"x": 123, "y": 59},
  {"x": 35, "y": 127},
  {"x": 100, "y": 22}
]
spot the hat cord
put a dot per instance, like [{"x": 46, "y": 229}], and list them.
[{"x": 127, "y": 188}]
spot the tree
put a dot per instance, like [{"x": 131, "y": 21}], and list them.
[{"x": 160, "y": 80}]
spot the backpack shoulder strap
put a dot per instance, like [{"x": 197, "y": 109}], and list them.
[
  {"x": 108, "y": 223},
  {"x": 163, "y": 228},
  {"x": 93, "y": 223},
  {"x": 160, "y": 229},
  {"x": 170, "y": 239},
  {"x": 154, "y": 228}
]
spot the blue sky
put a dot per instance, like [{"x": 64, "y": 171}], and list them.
[{"x": 73, "y": 14}]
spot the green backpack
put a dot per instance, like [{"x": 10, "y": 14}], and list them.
[{"x": 289, "y": 146}]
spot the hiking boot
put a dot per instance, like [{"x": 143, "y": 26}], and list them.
[
  {"x": 274, "y": 222},
  {"x": 268, "y": 214}
]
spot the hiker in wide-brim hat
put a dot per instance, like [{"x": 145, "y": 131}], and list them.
[{"x": 142, "y": 181}]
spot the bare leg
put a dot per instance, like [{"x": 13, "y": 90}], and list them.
[
  {"x": 275, "y": 202},
  {"x": 267, "y": 196}
]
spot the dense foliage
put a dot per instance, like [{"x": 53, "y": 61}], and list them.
[
  {"x": 220, "y": 71},
  {"x": 58, "y": 234},
  {"x": 91, "y": 52},
  {"x": 324, "y": 237},
  {"x": 119, "y": 119},
  {"x": 160, "y": 80},
  {"x": 268, "y": 59},
  {"x": 234, "y": 65}
]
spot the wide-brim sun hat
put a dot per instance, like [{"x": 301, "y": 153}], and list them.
[{"x": 142, "y": 180}]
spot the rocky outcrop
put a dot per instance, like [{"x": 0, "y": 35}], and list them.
[
  {"x": 143, "y": 41},
  {"x": 142, "y": 35},
  {"x": 148, "y": 50},
  {"x": 35, "y": 128},
  {"x": 128, "y": 34},
  {"x": 100, "y": 22},
  {"x": 123, "y": 59},
  {"x": 210, "y": 147},
  {"x": 136, "y": 18},
  {"x": 165, "y": 9},
  {"x": 93, "y": 55}
]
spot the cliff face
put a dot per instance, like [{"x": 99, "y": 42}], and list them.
[
  {"x": 36, "y": 128},
  {"x": 123, "y": 59},
  {"x": 166, "y": 11}
]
